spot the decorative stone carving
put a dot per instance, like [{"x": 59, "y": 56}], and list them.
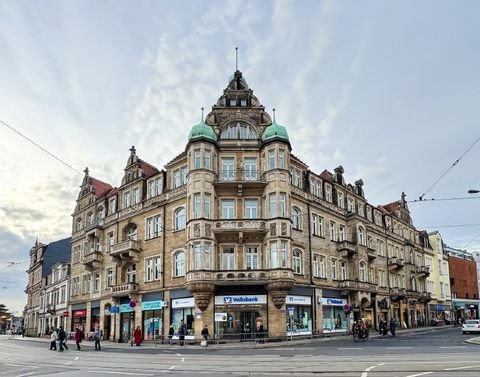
[
  {"x": 273, "y": 229},
  {"x": 278, "y": 291},
  {"x": 208, "y": 230},
  {"x": 284, "y": 229},
  {"x": 202, "y": 291},
  {"x": 196, "y": 230}
]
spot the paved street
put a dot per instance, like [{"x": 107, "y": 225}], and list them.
[{"x": 434, "y": 352}]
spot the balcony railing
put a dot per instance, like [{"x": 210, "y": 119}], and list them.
[
  {"x": 239, "y": 176},
  {"x": 371, "y": 253},
  {"x": 423, "y": 271},
  {"x": 355, "y": 285},
  {"x": 97, "y": 223},
  {"x": 244, "y": 277},
  {"x": 346, "y": 248},
  {"x": 239, "y": 225},
  {"x": 395, "y": 263},
  {"x": 92, "y": 258},
  {"x": 125, "y": 247},
  {"x": 124, "y": 289},
  {"x": 399, "y": 292}
]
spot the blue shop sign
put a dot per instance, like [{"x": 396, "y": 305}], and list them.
[
  {"x": 440, "y": 307},
  {"x": 152, "y": 305},
  {"x": 114, "y": 309},
  {"x": 125, "y": 308}
]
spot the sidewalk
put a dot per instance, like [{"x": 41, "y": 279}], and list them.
[{"x": 88, "y": 345}]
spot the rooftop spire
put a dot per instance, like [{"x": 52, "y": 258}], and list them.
[
  {"x": 132, "y": 150},
  {"x": 274, "y": 114},
  {"x": 202, "y": 113},
  {"x": 236, "y": 58}
]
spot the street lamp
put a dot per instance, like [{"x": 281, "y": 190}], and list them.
[{"x": 473, "y": 191}]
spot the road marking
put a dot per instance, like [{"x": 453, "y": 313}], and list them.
[
  {"x": 365, "y": 372},
  {"x": 173, "y": 366},
  {"x": 183, "y": 359},
  {"x": 23, "y": 366},
  {"x": 350, "y": 348},
  {"x": 179, "y": 355},
  {"x": 68, "y": 363},
  {"x": 454, "y": 347},
  {"x": 399, "y": 348},
  {"x": 467, "y": 367},
  {"x": 126, "y": 373},
  {"x": 25, "y": 374},
  {"x": 419, "y": 374},
  {"x": 77, "y": 358}
]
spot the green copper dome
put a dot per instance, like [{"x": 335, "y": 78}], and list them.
[
  {"x": 202, "y": 130},
  {"x": 275, "y": 130}
]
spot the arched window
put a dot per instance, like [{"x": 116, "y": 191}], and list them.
[
  {"x": 296, "y": 218},
  {"x": 362, "y": 271},
  {"x": 131, "y": 233},
  {"x": 180, "y": 219},
  {"x": 101, "y": 213},
  {"x": 132, "y": 274},
  {"x": 238, "y": 131},
  {"x": 79, "y": 225},
  {"x": 179, "y": 263},
  {"x": 361, "y": 235},
  {"x": 297, "y": 261},
  {"x": 90, "y": 218},
  {"x": 343, "y": 271}
]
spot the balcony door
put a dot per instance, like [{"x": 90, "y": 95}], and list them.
[
  {"x": 228, "y": 258},
  {"x": 250, "y": 169},
  {"x": 227, "y": 169}
]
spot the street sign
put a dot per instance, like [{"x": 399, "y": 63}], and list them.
[
  {"x": 114, "y": 309},
  {"x": 290, "y": 310}
]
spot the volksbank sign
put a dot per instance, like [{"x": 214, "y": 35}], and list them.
[{"x": 240, "y": 300}]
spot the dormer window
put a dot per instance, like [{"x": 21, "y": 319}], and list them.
[
  {"x": 112, "y": 205},
  {"x": 238, "y": 130},
  {"x": 243, "y": 102},
  {"x": 233, "y": 102}
]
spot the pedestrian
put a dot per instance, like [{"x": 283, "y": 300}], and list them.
[
  {"x": 205, "y": 336},
  {"x": 393, "y": 326},
  {"x": 182, "y": 332},
  {"x": 53, "y": 340},
  {"x": 96, "y": 337},
  {"x": 137, "y": 336},
  {"x": 338, "y": 324},
  {"x": 78, "y": 338},
  {"x": 171, "y": 332},
  {"x": 61, "y": 338},
  {"x": 23, "y": 332},
  {"x": 260, "y": 333}
]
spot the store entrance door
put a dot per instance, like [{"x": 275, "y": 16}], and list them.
[{"x": 247, "y": 324}]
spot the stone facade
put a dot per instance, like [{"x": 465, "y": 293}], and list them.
[{"x": 237, "y": 232}]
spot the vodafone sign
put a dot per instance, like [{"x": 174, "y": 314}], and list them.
[{"x": 80, "y": 313}]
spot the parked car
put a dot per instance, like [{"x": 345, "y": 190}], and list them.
[{"x": 471, "y": 325}]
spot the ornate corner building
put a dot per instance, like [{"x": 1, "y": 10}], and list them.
[{"x": 237, "y": 232}]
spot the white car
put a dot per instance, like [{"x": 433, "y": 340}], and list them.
[{"x": 471, "y": 325}]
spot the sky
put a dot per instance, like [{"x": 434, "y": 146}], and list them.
[{"x": 387, "y": 89}]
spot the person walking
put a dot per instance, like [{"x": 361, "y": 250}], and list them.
[
  {"x": 61, "y": 338},
  {"x": 205, "y": 336},
  {"x": 393, "y": 326},
  {"x": 182, "y": 332},
  {"x": 171, "y": 332},
  {"x": 53, "y": 340},
  {"x": 137, "y": 336},
  {"x": 78, "y": 338},
  {"x": 260, "y": 333},
  {"x": 96, "y": 337}
]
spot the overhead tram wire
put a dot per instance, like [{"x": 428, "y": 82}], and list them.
[
  {"x": 448, "y": 170},
  {"x": 443, "y": 199},
  {"x": 40, "y": 147}
]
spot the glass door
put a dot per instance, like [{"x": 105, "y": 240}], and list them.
[
  {"x": 227, "y": 169},
  {"x": 250, "y": 169}
]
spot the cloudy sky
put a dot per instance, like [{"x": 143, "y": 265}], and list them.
[{"x": 387, "y": 89}]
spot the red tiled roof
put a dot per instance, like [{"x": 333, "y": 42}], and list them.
[
  {"x": 392, "y": 207},
  {"x": 100, "y": 188},
  {"x": 326, "y": 175},
  {"x": 112, "y": 192},
  {"x": 383, "y": 210},
  {"x": 148, "y": 169}
]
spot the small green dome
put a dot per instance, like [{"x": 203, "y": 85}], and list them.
[
  {"x": 275, "y": 130},
  {"x": 202, "y": 130}
]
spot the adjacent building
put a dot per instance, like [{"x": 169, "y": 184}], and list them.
[
  {"x": 463, "y": 283},
  {"x": 476, "y": 258},
  {"x": 42, "y": 258},
  {"x": 438, "y": 283},
  {"x": 237, "y": 231}
]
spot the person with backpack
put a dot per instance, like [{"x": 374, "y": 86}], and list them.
[
  {"x": 62, "y": 338},
  {"x": 182, "y": 332}
]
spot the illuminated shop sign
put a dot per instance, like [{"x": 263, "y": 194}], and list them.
[{"x": 240, "y": 300}]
